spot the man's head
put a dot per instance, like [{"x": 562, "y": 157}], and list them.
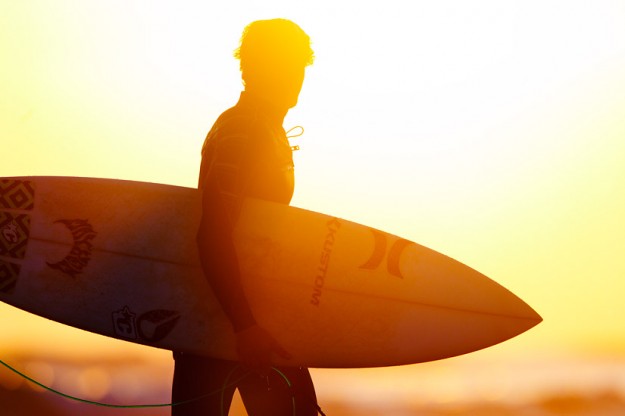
[{"x": 273, "y": 55}]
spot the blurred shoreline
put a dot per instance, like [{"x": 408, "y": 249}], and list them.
[{"x": 483, "y": 384}]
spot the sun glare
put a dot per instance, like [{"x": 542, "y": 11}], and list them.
[{"x": 491, "y": 131}]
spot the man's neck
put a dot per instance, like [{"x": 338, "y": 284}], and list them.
[{"x": 276, "y": 107}]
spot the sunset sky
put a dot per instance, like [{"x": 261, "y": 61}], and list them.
[{"x": 491, "y": 131}]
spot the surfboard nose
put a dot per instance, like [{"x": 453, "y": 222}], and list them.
[
  {"x": 515, "y": 326},
  {"x": 499, "y": 300},
  {"x": 532, "y": 317}
]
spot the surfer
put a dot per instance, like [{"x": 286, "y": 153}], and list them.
[{"x": 247, "y": 154}]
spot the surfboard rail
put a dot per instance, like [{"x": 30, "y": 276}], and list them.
[{"x": 119, "y": 258}]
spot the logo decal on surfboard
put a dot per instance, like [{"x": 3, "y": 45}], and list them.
[
  {"x": 124, "y": 323},
  {"x": 16, "y": 194},
  {"x": 324, "y": 261},
  {"x": 79, "y": 256},
  {"x": 155, "y": 325},
  {"x": 14, "y": 231},
  {"x": 9, "y": 232},
  {"x": 379, "y": 252},
  {"x": 151, "y": 326}
]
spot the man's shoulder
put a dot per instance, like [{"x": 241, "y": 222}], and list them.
[
  {"x": 233, "y": 134},
  {"x": 238, "y": 121},
  {"x": 239, "y": 132}
]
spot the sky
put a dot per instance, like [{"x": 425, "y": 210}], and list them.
[{"x": 491, "y": 131}]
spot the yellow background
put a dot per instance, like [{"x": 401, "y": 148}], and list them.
[{"x": 491, "y": 131}]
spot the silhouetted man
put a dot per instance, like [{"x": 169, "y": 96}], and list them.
[{"x": 246, "y": 154}]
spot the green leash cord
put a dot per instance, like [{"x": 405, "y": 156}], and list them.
[
  {"x": 146, "y": 406},
  {"x": 120, "y": 406},
  {"x": 223, "y": 390}
]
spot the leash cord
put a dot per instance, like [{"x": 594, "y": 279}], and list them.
[
  {"x": 118, "y": 406},
  {"x": 145, "y": 406}
]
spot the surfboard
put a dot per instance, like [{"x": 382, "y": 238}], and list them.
[{"x": 119, "y": 258}]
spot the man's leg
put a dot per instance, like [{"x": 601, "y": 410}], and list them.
[
  {"x": 204, "y": 386},
  {"x": 287, "y": 391}
]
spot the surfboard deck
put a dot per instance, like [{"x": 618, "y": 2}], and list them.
[{"x": 119, "y": 258}]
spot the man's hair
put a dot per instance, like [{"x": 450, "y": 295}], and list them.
[{"x": 270, "y": 46}]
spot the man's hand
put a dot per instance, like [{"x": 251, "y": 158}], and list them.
[{"x": 255, "y": 347}]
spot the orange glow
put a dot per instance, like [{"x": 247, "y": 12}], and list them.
[{"x": 490, "y": 131}]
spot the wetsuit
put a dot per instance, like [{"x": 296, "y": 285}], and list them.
[{"x": 246, "y": 154}]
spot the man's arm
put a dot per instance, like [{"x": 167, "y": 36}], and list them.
[
  {"x": 221, "y": 198},
  {"x": 218, "y": 257}
]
